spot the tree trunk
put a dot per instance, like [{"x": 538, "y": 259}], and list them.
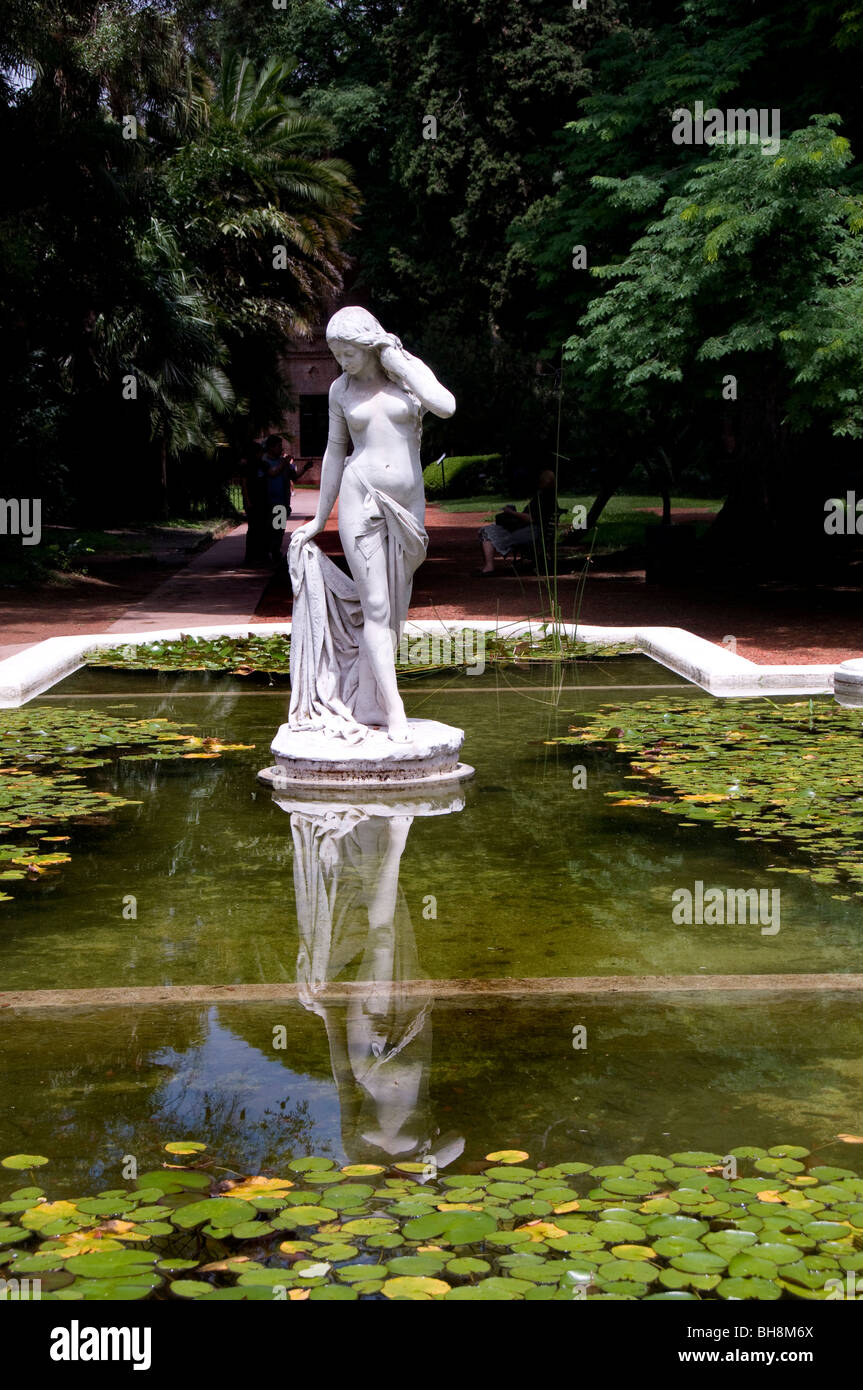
[
  {"x": 617, "y": 476},
  {"x": 163, "y": 461}
]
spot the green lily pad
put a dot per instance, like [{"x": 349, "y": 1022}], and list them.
[
  {"x": 677, "y": 1226},
  {"x": 676, "y": 1245},
  {"x": 20, "y": 1161},
  {"x": 776, "y": 1253},
  {"x": 457, "y": 1227},
  {"x": 115, "y": 1264},
  {"x": 311, "y": 1165},
  {"x": 251, "y": 1230},
  {"x": 107, "y": 1290},
  {"x": 507, "y": 1190},
  {"x": 761, "y": 1289},
  {"x": 265, "y": 1278},
  {"x": 369, "y": 1226},
  {"x": 351, "y": 1195},
  {"x": 416, "y": 1264},
  {"x": 700, "y": 1262},
  {"x": 220, "y": 1212},
  {"x": 190, "y": 1288},
  {"x": 637, "y": 1271},
  {"x": 800, "y": 1273},
  {"x": 161, "y": 1181},
  {"x": 12, "y": 1235},
  {"x": 733, "y": 1240},
  {"x": 415, "y": 1287},
  {"x": 510, "y": 1174},
  {"x": 670, "y": 1294},
  {"x": 467, "y": 1264},
  {"x": 617, "y": 1232},
  {"x": 390, "y": 1240},
  {"x": 492, "y": 1290},
  {"x": 696, "y": 1159},
  {"x": 629, "y": 1187},
  {"x": 239, "y": 1294},
  {"x": 335, "y": 1253},
  {"x": 292, "y": 1217}
]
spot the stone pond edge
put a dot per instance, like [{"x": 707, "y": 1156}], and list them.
[{"x": 711, "y": 667}]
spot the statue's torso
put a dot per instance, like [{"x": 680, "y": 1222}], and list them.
[{"x": 384, "y": 426}]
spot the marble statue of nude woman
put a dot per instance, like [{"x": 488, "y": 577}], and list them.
[{"x": 345, "y": 629}]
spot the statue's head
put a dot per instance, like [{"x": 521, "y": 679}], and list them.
[{"x": 351, "y": 335}]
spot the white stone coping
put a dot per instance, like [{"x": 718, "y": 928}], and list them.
[{"x": 706, "y": 664}]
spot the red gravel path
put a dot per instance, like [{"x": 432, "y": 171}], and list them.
[
  {"x": 781, "y": 624},
  {"x": 775, "y": 623}
]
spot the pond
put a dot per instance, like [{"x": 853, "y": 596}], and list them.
[{"x": 377, "y": 954}]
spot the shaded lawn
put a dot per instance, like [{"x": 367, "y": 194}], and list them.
[{"x": 621, "y": 525}]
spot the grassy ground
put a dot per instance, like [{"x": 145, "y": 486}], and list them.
[
  {"x": 618, "y": 506},
  {"x": 622, "y": 522}
]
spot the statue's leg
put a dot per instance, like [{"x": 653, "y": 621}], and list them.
[{"x": 370, "y": 577}]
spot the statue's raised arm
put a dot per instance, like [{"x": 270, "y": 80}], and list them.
[{"x": 405, "y": 369}]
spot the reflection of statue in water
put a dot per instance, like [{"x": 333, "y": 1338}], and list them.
[
  {"x": 357, "y": 940},
  {"x": 345, "y": 631}
]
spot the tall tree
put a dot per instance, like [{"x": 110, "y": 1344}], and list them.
[
  {"x": 165, "y": 228},
  {"x": 742, "y": 300}
]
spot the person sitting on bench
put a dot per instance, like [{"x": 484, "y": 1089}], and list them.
[{"x": 534, "y": 527}]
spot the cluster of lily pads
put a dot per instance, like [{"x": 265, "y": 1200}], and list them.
[
  {"x": 770, "y": 772},
  {"x": 241, "y": 656},
  {"x": 271, "y": 656},
  {"x": 753, "y": 1224},
  {"x": 44, "y": 754}
]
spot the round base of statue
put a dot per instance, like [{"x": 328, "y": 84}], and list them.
[
  {"x": 311, "y": 758},
  {"x": 848, "y": 683}
]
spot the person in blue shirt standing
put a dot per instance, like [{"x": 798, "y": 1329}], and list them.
[{"x": 281, "y": 472}]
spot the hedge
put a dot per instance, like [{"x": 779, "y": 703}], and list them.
[{"x": 463, "y": 475}]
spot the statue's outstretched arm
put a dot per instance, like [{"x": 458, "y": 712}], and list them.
[
  {"x": 413, "y": 373},
  {"x": 332, "y": 468}
]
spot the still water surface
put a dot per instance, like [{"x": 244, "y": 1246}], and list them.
[{"x": 521, "y": 874}]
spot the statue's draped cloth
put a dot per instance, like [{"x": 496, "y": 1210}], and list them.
[{"x": 332, "y": 685}]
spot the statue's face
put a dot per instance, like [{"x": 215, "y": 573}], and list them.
[{"x": 350, "y": 356}]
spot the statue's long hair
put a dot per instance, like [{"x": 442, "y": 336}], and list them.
[{"x": 356, "y": 325}]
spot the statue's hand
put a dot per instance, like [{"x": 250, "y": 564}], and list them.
[
  {"x": 393, "y": 356},
  {"x": 305, "y": 533},
  {"x": 388, "y": 340}
]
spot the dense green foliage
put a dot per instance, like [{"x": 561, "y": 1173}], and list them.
[
  {"x": 489, "y": 140},
  {"x": 754, "y": 1224},
  {"x": 463, "y": 475},
  {"x": 147, "y": 196}
]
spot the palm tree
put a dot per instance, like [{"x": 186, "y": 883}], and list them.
[
  {"x": 165, "y": 336},
  {"x": 264, "y": 211}
]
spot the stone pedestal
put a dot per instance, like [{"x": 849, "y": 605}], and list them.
[
  {"x": 313, "y": 759},
  {"x": 848, "y": 683}
]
